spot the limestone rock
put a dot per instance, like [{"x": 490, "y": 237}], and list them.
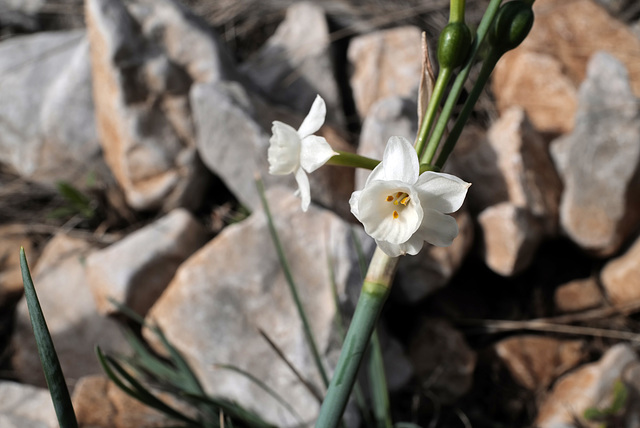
[
  {"x": 137, "y": 269},
  {"x": 48, "y": 131},
  {"x": 588, "y": 386},
  {"x": 25, "y": 406},
  {"x": 535, "y": 361},
  {"x": 12, "y": 237},
  {"x": 621, "y": 277},
  {"x": 234, "y": 285},
  {"x": 145, "y": 56},
  {"x": 536, "y": 82},
  {"x": 296, "y": 63},
  {"x": 384, "y": 63},
  {"x": 442, "y": 358},
  {"x": 511, "y": 237},
  {"x": 599, "y": 160},
  {"x": 578, "y": 295},
  {"x": 99, "y": 403},
  {"x": 70, "y": 311}
]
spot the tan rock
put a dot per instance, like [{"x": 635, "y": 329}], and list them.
[
  {"x": 621, "y": 277},
  {"x": 588, "y": 386},
  {"x": 536, "y": 82},
  {"x": 12, "y": 237},
  {"x": 535, "y": 362},
  {"x": 70, "y": 311},
  {"x": 99, "y": 403},
  {"x": 25, "y": 406},
  {"x": 578, "y": 295},
  {"x": 137, "y": 269},
  {"x": 510, "y": 236},
  {"x": 385, "y": 63},
  {"x": 234, "y": 285}
]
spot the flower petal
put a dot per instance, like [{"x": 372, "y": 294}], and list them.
[
  {"x": 411, "y": 247},
  {"x": 437, "y": 228},
  {"x": 382, "y": 219},
  {"x": 391, "y": 250},
  {"x": 303, "y": 188},
  {"x": 353, "y": 203},
  {"x": 314, "y": 152},
  {"x": 314, "y": 119},
  {"x": 284, "y": 149},
  {"x": 376, "y": 174},
  {"x": 400, "y": 161},
  {"x": 442, "y": 192}
]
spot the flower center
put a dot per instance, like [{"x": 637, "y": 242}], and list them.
[{"x": 398, "y": 199}]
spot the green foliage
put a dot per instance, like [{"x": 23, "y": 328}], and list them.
[
  {"x": 77, "y": 203},
  {"x": 47, "y": 352},
  {"x": 610, "y": 415}
]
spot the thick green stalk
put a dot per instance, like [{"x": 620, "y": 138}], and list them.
[
  {"x": 375, "y": 291},
  {"x": 352, "y": 160},
  {"x": 456, "y": 11}
]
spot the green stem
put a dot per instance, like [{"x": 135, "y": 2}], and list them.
[
  {"x": 487, "y": 67},
  {"x": 441, "y": 83},
  {"x": 456, "y": 11},
  {"x": 458, "y": 84},
  {"x": 352, "y": 160},
  {"x": 375, "y": 290}
]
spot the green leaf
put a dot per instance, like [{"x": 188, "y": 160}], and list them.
[
  {"x": 378, "y": 380},
  {"x": 47, "y": 352}
]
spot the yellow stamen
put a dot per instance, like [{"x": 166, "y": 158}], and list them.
[
  {"x": 395, "y": 214},
  {"x": 405, "y": 201},
  {"x": 389, "y": 198}
]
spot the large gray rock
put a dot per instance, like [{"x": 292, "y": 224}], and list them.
[
  {"x": 599, "y": 160},
  {"x": 145, "y": 57},
  {"x": 25, "y": 406},
  {"x": 296, "y": 63},
  {"x": 47, "y": 126},
  {"x": 234, "y": 285},
  {"x": 70, "y": 311},
  {"x": 137, "y": 269}
]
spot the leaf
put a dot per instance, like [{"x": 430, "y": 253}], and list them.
[{"x": 47, "y": 352}]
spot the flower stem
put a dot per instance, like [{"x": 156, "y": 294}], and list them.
[
  {"x": 456, "y": 11},
  {"x": 352, "y": 160},
  {"x": 441, "y": 83},
  {"x": 375, "y": 290}
]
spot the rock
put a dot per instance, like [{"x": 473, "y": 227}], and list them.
[
  {"x": 217, "y": 321},
  {"x": 572, "y": 32},
  {"x": 535, "y": 361},
  {"x": 12, "y": 237},
  {"x": 578, "y": 295},
  {"x": 386, "y": 118},
  {"x": 421, "y": 275},
  {"x": 511, "y": 237},
  {"x": 620, "y": 277},
  {"x": 99, "y": 403},
  {"x": 48, "y": 132},
  {"x": 40, "y": 15},
  {"x": 25, "y": 406},
  {"x": 537, "y": 83},
  {"x": 234, "y": 128},
  {"x": 589, "y": 386},
  {"x": 137, "y": 269},
  {"x": 145, "y": 56},
  {"x": 442, "y": 358},
  {"x": 384, "y": 63},
  {"x": 296, "y": 63},
  {"x": 70, "y": 311},
  {"x": 599, "y": 160}
]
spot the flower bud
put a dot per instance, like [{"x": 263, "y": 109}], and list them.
[
  {"x": 511, "y": 25},
  {"x": 454, "y": 45}
]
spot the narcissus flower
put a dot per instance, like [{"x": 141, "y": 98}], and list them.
[
  {"x": 401, "y": 208},
  {"x": 299, "y": 152}
]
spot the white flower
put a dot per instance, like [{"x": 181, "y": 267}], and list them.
[
  {"x": 401, "y": 209},
  {"x": 299, "y": 152}
]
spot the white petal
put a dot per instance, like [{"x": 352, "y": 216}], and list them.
[
  {"x": 411, "y": 247},
  {"x": 284, "y": 149},
  {"x": 437, "y": 228},
  {"x": 376, "y": 213},
  {"x": 441, "y": 192},
  {"x": 376, "y": 174},
  {"x": 353, "y": 203},
  {"x": 303, "y": 188},
  {"x": 391, "y": 250},
  {"x": 400, "y": 161},
  {"x": 314, "y": 152},
  {"x": 314, "y": 119}
]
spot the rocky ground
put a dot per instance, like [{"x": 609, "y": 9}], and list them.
[{"x": 130, "y": 136}]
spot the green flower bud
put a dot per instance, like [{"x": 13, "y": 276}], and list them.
[
  {"x": 454, "y": 44},
  {"x": 511, "y": 25}
]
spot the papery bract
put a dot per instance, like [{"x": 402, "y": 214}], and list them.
[
  {"x": 299, "y": 152},
  {"x": 401, "y": 208}
]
